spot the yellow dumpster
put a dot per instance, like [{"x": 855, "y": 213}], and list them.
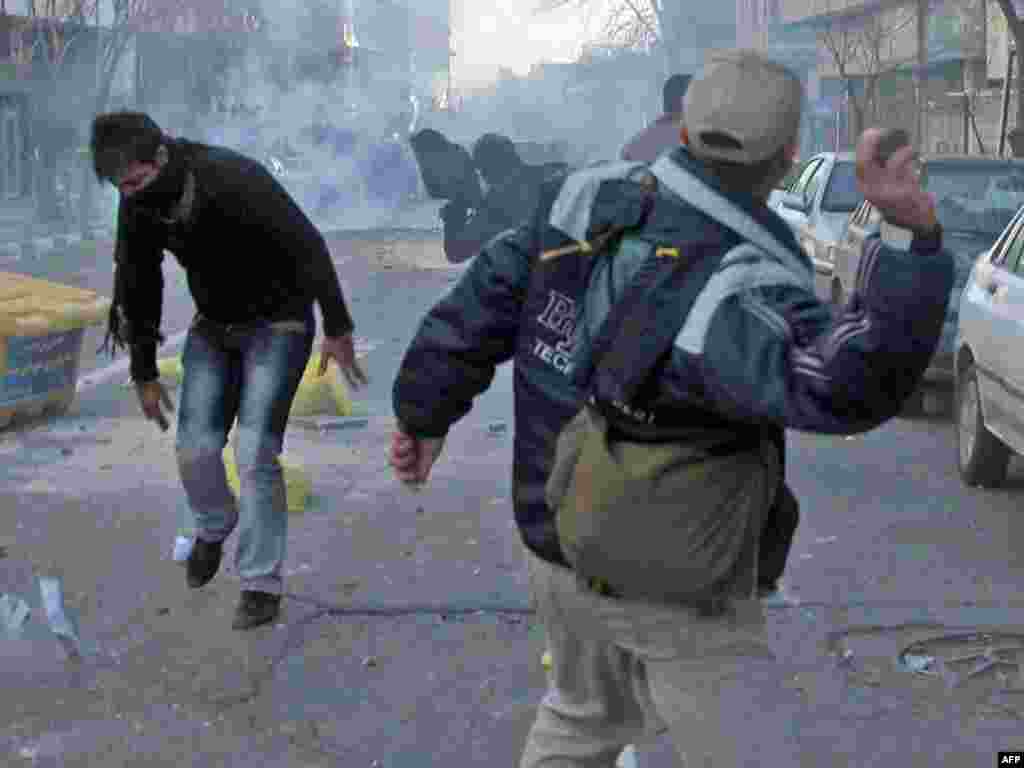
[{"x": 41, "y": 329}]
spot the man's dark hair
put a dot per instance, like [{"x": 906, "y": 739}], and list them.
[
  {"x": 495, "y": 155},
  {"x": 121, "y": 138},
  {"x": 428, "y": 139},
  {"x": 673, "y": 92}
]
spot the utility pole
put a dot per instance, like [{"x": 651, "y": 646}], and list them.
[{"x": 920, "y": 76}]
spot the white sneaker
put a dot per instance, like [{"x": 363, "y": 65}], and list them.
[
  {"x": 778, "y": 598},
  {"x": 627, "y": 759}
]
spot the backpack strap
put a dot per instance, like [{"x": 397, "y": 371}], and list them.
[{"x": 645, "y": 320}]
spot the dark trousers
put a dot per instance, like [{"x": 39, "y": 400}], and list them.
[
  {"x": 779, "y": 527},
  {"x": 777, "y": 537}
]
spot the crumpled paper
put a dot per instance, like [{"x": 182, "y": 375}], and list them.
[
  {"x": 13, "y": 613},
  {"x": 182, "y": 548},
  {"x": 62, "y": 622}
]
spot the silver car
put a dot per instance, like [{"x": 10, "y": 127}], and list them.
[
  {"x": 975, "y": 197},
  {"x": 816, "y": 202},
  {"x": 989, "y": 361}
]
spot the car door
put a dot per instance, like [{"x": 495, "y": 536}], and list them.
[
  {"x": 797, "y": 217},
  {"x": 835, "y": 201},
  {"x": 994, "y": 328},
  {"x": 847, "y": 251},
  {"x": 1008, "y": 300}
]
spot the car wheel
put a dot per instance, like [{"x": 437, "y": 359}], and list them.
[{"x": 982, "y": 457}]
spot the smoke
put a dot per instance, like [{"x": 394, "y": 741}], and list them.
[
  {"x": 271, "y": 97},
  {"x": 279, "y": 96}
]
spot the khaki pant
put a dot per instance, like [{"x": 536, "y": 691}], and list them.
[{"x": 623, "y": 670}]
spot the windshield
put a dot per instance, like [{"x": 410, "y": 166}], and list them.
[
  {"x": 842, "y": 195},
  {"x": 979, "y": 199}
]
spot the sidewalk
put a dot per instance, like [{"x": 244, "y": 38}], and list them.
[{"x": 34, "y": 248}]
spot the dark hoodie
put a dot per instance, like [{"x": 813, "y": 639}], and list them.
[{"x": 250, "y": 254}]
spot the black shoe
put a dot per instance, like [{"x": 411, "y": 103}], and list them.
[
  {"x": 203, "y": 562},
  {"x": 256, "y": 608},
  {"x": 767, "y": 589}
]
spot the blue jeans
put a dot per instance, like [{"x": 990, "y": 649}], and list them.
[{"x": 250, "y": 373}]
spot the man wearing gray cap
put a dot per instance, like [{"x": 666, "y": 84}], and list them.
[{"x": 706, "y": 292}]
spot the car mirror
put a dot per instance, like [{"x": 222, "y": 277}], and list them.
[
  {"x": 794, "y": 201},
  {"x": 984, "y": 270}
]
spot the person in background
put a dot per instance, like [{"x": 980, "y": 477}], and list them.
[
  {"x": 757, "y": 353},
  {"x": 512, "y": 193},
  {"x": 255, "y": 267},
  {"x": 663, "y": 133}
]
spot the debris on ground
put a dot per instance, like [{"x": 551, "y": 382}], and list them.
[
  {"x": 182, "y": 548},
  {"x": 62, "y": 622},
  {"x": 297, "y": 481},
  {"x": 332, "y": 423},
  {"x": 13, "y": 613},
  {"x": 321, "y": 395}
]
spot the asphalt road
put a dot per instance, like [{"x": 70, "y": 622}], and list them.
[{"x": 887, "y": 530}]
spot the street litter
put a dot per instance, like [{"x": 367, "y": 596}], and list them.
[
  {"x": 826, "y": 539},
  {"x": 545, "y": 660},
  {"x": 298, "y": 483},
  {"x": 13, "y": 613},
  {"x": 182, "y": 548},
  {"x": 341, "y": 422},
  {"x": 370, "y": 661},
  {"x": 919, "y": 663},
  {"x": 318, "y": 394},
  {"x": 170, "y": 370},
  {"x": 497, "y": 427},
  {"x": 61, "y": 621}
]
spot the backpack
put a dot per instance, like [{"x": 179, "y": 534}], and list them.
[{"x": 668, "y": 520}]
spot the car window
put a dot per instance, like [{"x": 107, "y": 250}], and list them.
[
  {"x": 842, "y": 194},
  {"x": 791, "y": 178},
  {"x": 811, "y": 188},
  {"x": 979, "y": 198},
  {"x": 996, "y": 255},
  {"x": 1011, "y": 256},
  {"x": 805, "y": 176}
]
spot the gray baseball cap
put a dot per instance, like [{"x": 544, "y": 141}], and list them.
[{"x": 752, "y": 102}]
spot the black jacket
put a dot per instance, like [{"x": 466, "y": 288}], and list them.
[
  {"x": 505, "y": 206},
  {"x": 249, "y": 252}
]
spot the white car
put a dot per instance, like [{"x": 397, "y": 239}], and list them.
[
  {"x": 990, "y": 361},
  {"x": 817, "y": 203}
]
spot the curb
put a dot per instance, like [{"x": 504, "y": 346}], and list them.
[{"x": 30, "y": 249}]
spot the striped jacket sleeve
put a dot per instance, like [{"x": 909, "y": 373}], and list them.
[{"x": 768, "y": 350}]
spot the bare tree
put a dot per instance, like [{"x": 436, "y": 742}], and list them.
[
  {"x": 641, "y": 24},
  {"x": 71, "y": 54},
  {"x": 858, "y": 46},
  {"x": 1015, "y": 24}
]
